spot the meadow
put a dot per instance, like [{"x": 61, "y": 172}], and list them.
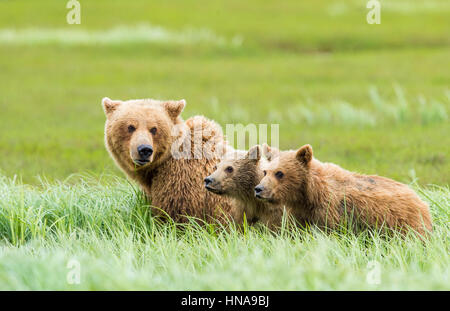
[
  {"x": 371, "y": 98},
  {"x": 105, "y": 228}
]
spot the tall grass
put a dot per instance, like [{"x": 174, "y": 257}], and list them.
[
  {"x": 397, "y": 110},
  {"x": 107, "y": 228},
  {"x": 382, "y": 110}
]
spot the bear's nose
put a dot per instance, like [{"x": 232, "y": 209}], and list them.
[
  {"x": 259, "y": 189},
  {"x": 145, "y": 151},
  {"x": 208, "y": 180}
]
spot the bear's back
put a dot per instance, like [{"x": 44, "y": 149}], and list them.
[{"x": 376, "y": 200}]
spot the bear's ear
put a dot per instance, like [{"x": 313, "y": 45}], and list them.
[
  {"x": 267, "y": 151},
  {"x": 254, "y": 153},
  {"x": 109, "y": 105},
  {"x": 174, "y": 108},
  {"x": 304, "y": 154},
  {"x": 220, "y": 149}
]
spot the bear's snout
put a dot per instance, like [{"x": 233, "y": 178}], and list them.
[
  {"x": 212, "y": 185},
  {"x": 208, "y": 180},
  {"x": 264, "y": 194},
  {"x": 145, "y": 151},
  {"x": 258, "y": 190}
]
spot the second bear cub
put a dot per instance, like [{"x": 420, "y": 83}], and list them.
[
  {"x": 326, "y": 194},
  {"x": 236, "y": 176}
]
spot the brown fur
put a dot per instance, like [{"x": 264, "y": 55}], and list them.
[
  {"x": 239, "y": 185},
  {"x": 173, "y": 185},
  {"x": 270, "y": 152},
  {"x": 326, "y": 194}
]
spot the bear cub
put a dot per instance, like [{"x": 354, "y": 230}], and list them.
[
  {"x": 328, "y": 195},
  {"x": 236, "y": 177}
]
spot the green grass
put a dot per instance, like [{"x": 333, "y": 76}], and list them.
[
  {"x": 371, "y": 98},
  {"x": 106, "y": 227}
]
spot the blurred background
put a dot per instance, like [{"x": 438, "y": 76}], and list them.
[{"x": 371, "y": 98}]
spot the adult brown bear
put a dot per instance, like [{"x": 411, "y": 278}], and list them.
[{"x": 166, "y": 156}]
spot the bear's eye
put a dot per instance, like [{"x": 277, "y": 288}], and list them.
[
  {"x": 229, "y": 169},
  {"x": 279, "y": 174},
  {"x": 265, "y": 173},
  {"x": 131, "y": 129},
  {"x": 153, "y": 130},
  {"x": 215, "y": 167}
]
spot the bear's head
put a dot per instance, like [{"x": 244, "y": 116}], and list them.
[
  {"x": 138, "y": 132},
  {"x": 236, "y": 173},
  {"x": 284, "y": 175}
]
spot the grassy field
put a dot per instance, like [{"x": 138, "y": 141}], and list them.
[
  {"x": 106, "y": 228},
  {"x": 371, "y": 98}
]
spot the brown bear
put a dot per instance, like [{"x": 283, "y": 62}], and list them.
[
  {"x": 328, "y": 195},
  {"x": 166, "y": 156},
  {"x": 236, "y": 176}
]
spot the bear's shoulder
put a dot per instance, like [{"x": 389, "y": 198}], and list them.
[{"x": 204, "y": 127}]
